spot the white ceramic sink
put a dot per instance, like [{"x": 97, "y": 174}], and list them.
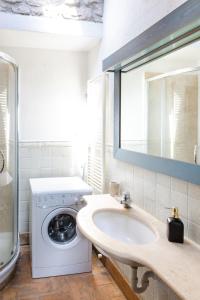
[{"x": 123, "y": 227}]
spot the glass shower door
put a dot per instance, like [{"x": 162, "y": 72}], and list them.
[{"x": 8, "y": 163}]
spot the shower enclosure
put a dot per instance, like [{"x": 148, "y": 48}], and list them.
[{"x": 9, "y": 237}]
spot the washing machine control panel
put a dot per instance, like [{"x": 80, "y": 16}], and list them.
[{"x": 51, "y": 200}]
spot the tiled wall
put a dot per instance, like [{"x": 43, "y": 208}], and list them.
[
  {"x": 42, "y": 159},
  {"x": 153, "y": 192}
]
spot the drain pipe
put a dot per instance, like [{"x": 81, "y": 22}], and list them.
[{"x": 144, "y": 280}]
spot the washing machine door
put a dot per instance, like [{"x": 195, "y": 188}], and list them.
[{"x": 59, "y": 228}]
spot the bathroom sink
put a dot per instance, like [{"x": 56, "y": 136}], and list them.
[{"x": 122, "y": 226}]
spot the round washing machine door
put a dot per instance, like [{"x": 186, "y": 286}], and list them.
[{"x": 59, "y": 228}]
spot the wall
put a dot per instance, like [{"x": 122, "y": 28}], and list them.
[
  {"x": 52, "y": 85},
  {"x": 87, "y": 10},
  {"x": 51, "y": 82},
  {"x": 149, "y": 190},
  {"x": 119, "y": 28}
]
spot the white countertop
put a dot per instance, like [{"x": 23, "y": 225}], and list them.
[{"x": 178, "y": 265}]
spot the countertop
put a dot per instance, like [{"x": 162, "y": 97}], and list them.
[{"x": 178, "y": 265}]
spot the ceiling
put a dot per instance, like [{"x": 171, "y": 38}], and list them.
[
  {"x": 14, "y": 38},
  {"x": 46, "y": 33}
]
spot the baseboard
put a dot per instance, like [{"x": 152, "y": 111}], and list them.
[
  {"x": 120, "y": 280},
  {"x": 24, "y": 238}
]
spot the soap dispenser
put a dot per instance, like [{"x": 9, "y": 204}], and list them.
[{"x": 175, "y": 227}]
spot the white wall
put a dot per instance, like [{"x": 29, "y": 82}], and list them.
[
  {"x": 52, "y": 86},
  {"x": 124, "y": 21}
]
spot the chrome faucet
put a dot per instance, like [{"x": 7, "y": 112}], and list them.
[{"x": 126, "y": 200}]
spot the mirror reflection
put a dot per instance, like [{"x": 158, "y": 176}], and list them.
[{"x": 160, "y": 102}]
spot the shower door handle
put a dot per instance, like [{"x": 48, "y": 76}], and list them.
[
  {"x": 196, "y": 154},
  {"x": 3, "y": 162}
]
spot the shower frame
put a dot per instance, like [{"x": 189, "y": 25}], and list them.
[{"x": 8, "y": 269}]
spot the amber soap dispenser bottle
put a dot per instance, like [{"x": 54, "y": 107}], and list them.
[{"x": 175, "y": 227}]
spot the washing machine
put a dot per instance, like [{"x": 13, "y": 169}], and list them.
[{"x": 57, "y": 246}]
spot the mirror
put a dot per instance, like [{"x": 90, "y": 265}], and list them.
[
  {"x": 157, "y": 96},
  {"x": 160, "y": 106}
]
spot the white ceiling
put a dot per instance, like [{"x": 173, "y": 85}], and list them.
[
  {"x": 47, "y": 33},
  {"x": 13, "y": 38}
]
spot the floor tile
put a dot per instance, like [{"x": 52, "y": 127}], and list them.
[{"x": 97, "y": 285}]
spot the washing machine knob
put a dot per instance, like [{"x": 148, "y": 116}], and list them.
[
  {"x": 76, "y": 200},
  {"x": 82, "y": 200}
]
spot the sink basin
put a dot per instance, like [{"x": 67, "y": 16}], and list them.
[{"x": 123, "y": 227}]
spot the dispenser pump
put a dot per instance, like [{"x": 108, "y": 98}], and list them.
[
  {"x": 175, "y": 227},
  {"x": 175, "y": 212}
]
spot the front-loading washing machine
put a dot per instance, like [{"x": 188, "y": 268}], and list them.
[{"x": 57, "y": 246}]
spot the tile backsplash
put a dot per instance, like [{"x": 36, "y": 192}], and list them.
[
  {"x": 42, "y": 159},
  {"x": 154, "y": 192}
]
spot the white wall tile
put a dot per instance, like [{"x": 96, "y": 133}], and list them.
[
  {"x": 24, "y": 152},
  {"x": 23, "y": 226},
  {"x": 46, "y": 151},
  {"x": 138, "y": 172},
  {"x": 194, "y": 191},
  {"x": 45, "y": 162},
  {"x": 163, "y": 180},
  {"x": 180, "y": 200},
  {"x": 178, "y": 185},
  {"x": 46, "y": 159},
  {"x": 45, "y": 172},
  {"x": 149, "y": 176},
  {"x": 154, "y": 192},
  {"x": 172, "y": 295},
  {"x": 150, "y": 194},
  {"x": 160, "y": 291},
  {"x": 194, "y": 210},
  {"x": 138, "y": 191},
  {"x": 194, "y": 232},
  {"x": 185, "y": 222},
  {"x": 163, "y": 200},
  {"x": 24, "y": 195},
  {"x": 24, "y": 206},
  {"x": 23, "y": 215}
]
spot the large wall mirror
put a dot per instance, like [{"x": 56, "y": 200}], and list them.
[
  {"x": 157, "y": 96},
  {"x": 159, "y": 106}
]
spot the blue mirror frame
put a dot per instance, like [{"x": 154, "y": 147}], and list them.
[{"x": 179, "y": 28}]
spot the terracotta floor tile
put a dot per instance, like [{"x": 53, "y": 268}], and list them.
[
  {"x": 97, "y": 285},
  {"x": 8, "y": 294},
  {"x": 56, "y": 296},
  {"x": 28, "y": 297},
  {"x": 112, "y": 290},
  {"x": 122, "y": 297}
]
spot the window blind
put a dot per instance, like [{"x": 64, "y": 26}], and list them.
[{"x": 96, "y": 94}]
